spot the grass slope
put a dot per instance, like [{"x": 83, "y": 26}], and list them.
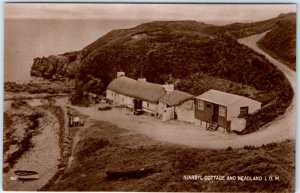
[
  {"x": 158, "y": 50},
  {"x": 105, "y": 146},
  {"x": 280, "y": 42}
]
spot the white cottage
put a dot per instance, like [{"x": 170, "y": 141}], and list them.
[
  {"x": 124, "y": 91},
  {"x": 176, "y": 105}
]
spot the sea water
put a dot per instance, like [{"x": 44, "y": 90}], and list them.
[{"x": 26, "y": 39}]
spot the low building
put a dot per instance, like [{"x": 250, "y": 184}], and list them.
[
  {"x": 186, "y": 111},
  {"x": 215, "y": 109},
  {"x": 176, "y": 105},
  {"x": 127, "y": 92}
]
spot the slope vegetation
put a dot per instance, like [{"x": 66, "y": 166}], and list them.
[
  {"x": 280, "y": 42},
  {"x": 94, "y": 156},
  {"x": 164, "y": 51}
]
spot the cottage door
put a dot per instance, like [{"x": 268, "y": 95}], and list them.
[
  {"x": 138, "y": 104},
  {"x": 215, "y": 113}
]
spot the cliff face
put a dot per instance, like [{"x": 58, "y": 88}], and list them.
[{"x": 56, "y": 67}]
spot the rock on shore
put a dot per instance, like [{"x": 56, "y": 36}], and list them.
[{"x": 56, "y": 67}]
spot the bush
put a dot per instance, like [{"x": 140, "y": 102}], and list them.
[
  {"x": 91, "y": 146},
  {"x": 18, "y": 103}
]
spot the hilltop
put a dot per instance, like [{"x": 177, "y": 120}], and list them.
[
  {"x": 170, "y": 50},
  {"x": 146, "y": 40}
]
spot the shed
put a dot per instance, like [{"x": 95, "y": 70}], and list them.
[
  {"x": 221, "y": 109},
  {"x": 169, "y": 106}
]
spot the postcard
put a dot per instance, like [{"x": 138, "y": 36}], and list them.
[{"x": 149, "y": 97}]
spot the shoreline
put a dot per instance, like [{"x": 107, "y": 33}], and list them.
[
  {"x": 28, "y": 96},
  {"x": 42, "y": 157},
  {"x": 54, "y": 118},
  {"x": 65, "y": 143}
]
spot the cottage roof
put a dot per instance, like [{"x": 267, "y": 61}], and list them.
[
  {"x": 220, "y": 98},
  {"x": 141, "y": 90},
  {"x": 176, "y": 97}
]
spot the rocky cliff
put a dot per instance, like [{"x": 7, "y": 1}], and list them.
[{"x": 56, "y": 67}]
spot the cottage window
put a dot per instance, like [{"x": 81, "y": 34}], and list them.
[
  {"x": 201, "y": 105},
  {"x": 244, "y": 111},
  {"x": 222, "y": 111}
]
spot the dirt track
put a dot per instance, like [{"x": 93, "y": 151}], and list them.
[{"x": 284, "y": 127}]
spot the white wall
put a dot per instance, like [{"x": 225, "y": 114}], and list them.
[
  {"x": 164, "y": 112},
  {"x": 168, "y": 114},
  {"x": 185, "y": 112},
  {"x": 127, "y": 101},
  {"x": 200, "y": 123},
  {"x": 233, "y": 110},
  {"x": 119, "y": 99},
  {"x": 149, "y": 107},
  {"x": 160, "y": 108},
  {"x": 238, "y": 124},
  {"x": 109, "y": 94}
]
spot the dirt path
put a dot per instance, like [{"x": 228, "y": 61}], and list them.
[
  {"x": 78, "y": 131},
  {"x": 43, "y": 157},
  {"x": 189, "y": 134},
  {"x": 284, "y": 127}
]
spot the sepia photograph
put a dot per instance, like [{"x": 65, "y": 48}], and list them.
[{"x": 149, "y": 97}]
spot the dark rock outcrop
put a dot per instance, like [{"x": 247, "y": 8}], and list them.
[{"x": 56, "y": 67}]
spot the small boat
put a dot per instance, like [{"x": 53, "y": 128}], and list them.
[
  {"x": 26, "y": 175},
  {"x": 105, "y": 108},
  {"x": 129, "y": 173}
]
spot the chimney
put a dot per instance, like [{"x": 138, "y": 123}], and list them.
[
  {"x": 168, "y": 87},
  {"x": 142, "y": 80},
  {"x": 120, "y": 74}
]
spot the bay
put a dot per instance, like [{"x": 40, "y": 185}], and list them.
[{"x": 26, "y": 39}]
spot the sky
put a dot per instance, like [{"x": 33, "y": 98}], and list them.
[{"x": 226, "y": 13}]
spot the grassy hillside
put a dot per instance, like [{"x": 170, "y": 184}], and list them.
[
  {"x": 241, "y": 30},
  {"x": 159, "y": 50},
  {"x": 104, "y": 146},
  {"x": 280, "y": 42}
]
